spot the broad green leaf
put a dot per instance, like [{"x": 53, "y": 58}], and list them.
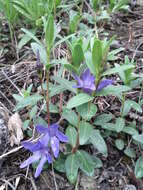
[
  {"x": 49, "y": 34},
  {"x": 119, "y": 144},
  {"x": 138, "y": 138},
  {"x": 103, "y": 118},
  {"x": 67, "y": 84},
  {"x": 17, "y": 97},
  {"x": 28, "y": 101},
  {"x": 59, "y": 164},
  {"x": 97, "y": 163},
  {"x": 77, "y": 55},
  {"x": 98, "y": 142},
  {"x": 25, "y": 124},
  {"x": 131, "y": 104},
  {"x": 78, "y": 100},
  {"x": 85, "y": 162},
  {"x": 88, "y": 61},
  {"x": 120, "y": 123},
  {"x": 97, "y": 57},
  {"x": 113, "y": 90},
  {"x": 24, "y": 40},
  {"x": 112, "y": 56},
  {"x": 70, "y": 116},
  {"x": 72, "y": 166},
  {"x": 85, "y": 131},
  {"x": 33, "y": 112},
  {"x": 53, "y": 108},
  {"x": 118, "y": 69},
  {"x": 31, "y": 35},
  {"x": 139, "y": 168},
  {"x": 109, "y": 126},
  {"x": 130, "y": 152},
  {"x": 87, "y": 110},
  {"x": 70, "y": 67},
  {"x": 74, "y": 21},
  {"x": 56, "y": 89},
  {"x": 130, "y": 131},
  {"x": 71, "y": 133}
]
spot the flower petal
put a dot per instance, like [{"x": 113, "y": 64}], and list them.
[
  {"x": 55, "y": 146},
  {"x": 61, "y": 136},
  {"x": 40, "y": 166},
  {"x": 49, "y": 157},
  {"x": 44, "y": 140},
  {"x": 53, "y": 129},
  {"x": 104, "y": 83},
  {"x": 31, "y": 146},
  {"x": 41, "y": 129},
  {"x": 79, "y": 81},
  {"x": 86, "y": 75},
  {"x": 34, "y": 158}
]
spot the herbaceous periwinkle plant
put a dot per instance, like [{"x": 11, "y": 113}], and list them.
[
  {"x": 88, "y": 82},
  {"x": 87, "y": 67}
]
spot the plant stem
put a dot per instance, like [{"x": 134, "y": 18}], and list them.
[
  {"x": 74, "y": 149},
  {"x": 47, "y": 92},
  {"x": 123, "y": 104},
  {"x": 47, "y": 97}
]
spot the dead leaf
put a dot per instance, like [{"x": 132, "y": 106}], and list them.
[{"x": 15, "y": 129}]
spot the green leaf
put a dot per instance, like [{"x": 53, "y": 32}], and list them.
[
  {"x": 103, "y": 118},
  {"x": 70, "y": 116},
  {"x": 85, "y": 131},
  {"x": 118, "y": 69},
  {"x": 28, "y": 101},
  {"x": 85, "y": 162},
  {"x": 87, "y": 111},
  {"x": 49, "y": 34},
  {"x": 70, "y": 67},
  {"x": 130, "y": 152},
  {"x": 97, "y": 57},
  {"x": 59, "y": 164},
  {"x": 25, "y": 124},
  {"x": 131, "y": 104},
  {"x": 98, "y": 142},
  {"x": 71, "y": 133},
  {"x": 130, "y": 131},
  {"x": 109, "y": 126},
  {"x": 74, "y": 21},
  {"x": 88, "y": 61},
  {"x": 120, "y": 123},
  {"x": 138, "y": 138},
  {"x": 113, "y": 90},
  {"x": 77, "y": 55},
  {"x": 33, "y": 112},
  {"x": 112, "y": 56},
  {"x": 31, "y": 35},
  {"x": 139, "y": 168},
  {"x": 119, "y": 144},
  {"x": 78, "y": 100},
  {"x": 72, "y": 166},
  {"x": 65, "y": 83}
]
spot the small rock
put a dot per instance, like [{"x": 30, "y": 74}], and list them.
[{"x": 130, "y": 187}]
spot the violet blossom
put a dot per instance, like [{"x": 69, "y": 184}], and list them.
[
  {"x": 86, "y": 82},
  {"x": 53, "y": 135},
  {"x": 40, "y": 152}
]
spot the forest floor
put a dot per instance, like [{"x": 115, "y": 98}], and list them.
[{"x": 118, "y": 170}]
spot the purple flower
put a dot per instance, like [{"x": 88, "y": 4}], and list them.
[
  {"x": 53, "y": 135},
  {"x": 40, "y": 152},
  {"x": 86, "y": 82}
]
